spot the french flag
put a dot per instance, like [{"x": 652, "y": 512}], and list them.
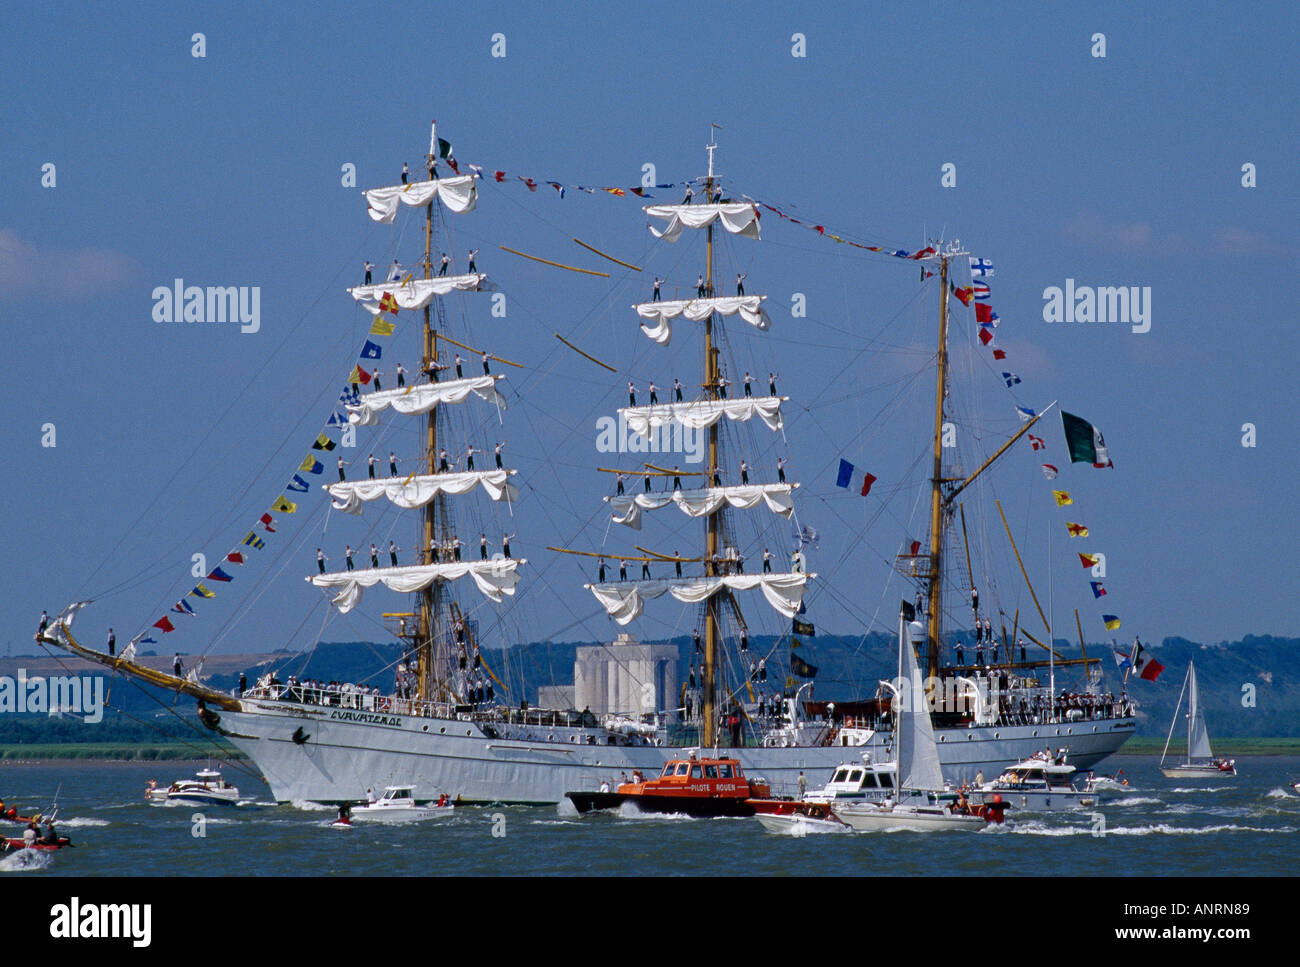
[{"x": 849, "y": 475}]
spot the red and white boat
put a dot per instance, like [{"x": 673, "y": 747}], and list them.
[{"x": 702, "y": 787}]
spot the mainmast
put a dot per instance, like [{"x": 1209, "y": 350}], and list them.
[
  {"x": 937, "y": 503},
  {"x": 428, "y": 623},
  {"x": 709, "y": 677}
]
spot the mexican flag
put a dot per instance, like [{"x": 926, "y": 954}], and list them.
[{"x": 1084, "y": 441}]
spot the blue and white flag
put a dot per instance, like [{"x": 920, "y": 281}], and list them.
[
  {"x": 980, "y": 267},
  {"x": 1122, "y": 660},
  {"x": 1025, "y": 414},
  {"x": 1011, "y": 379},
  {"x": 371, "y": 350}
]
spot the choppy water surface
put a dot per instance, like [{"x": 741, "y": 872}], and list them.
[{"x": 1243, "y": 826}]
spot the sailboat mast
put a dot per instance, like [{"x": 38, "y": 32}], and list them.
[
  {"x": 709, "y": 673},
  {"x": 936, "y": 479},
  {"x": 428, "y": 603}
]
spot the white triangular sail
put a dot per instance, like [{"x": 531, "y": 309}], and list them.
[
  {"x": 494, "y": 578},
  {"x": 416, "y": 491},
  {"x": 660, "y": 314},
  {"x": 699, "y": 503},
  {"x": 704, "y": 413},
  {"x": 1198, "y": 738},
  {"x": 459, "y": 194},
  {"x": 625, "y": 600},
  {"x": 918, "y": 755},
  {"x": 417, "y": 293},
  {"x": 738, "y": 218},
  {"x": 422, "y": 397}
]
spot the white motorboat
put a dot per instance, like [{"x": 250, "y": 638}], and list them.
[
  {"x": 1040, "y": 783},
  {"x": 866, "y": 781},
  {"x": 1201, "y": 762},
  {"x": 919, "y": 776},
  {"x": 1115, "y": 783},
  {"x": 207, "y": 788},
  {"x": 398, "y": 805}
]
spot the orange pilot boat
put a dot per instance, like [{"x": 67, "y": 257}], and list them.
[{"x": 695, "y": 786}]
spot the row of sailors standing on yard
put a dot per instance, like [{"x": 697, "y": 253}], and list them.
[
  {"x": 620, "y": 487},
  {"x": 396, "y": 271},
  {"x": 703, "y": 289},
  {"x": 733, "y": 561},
  {"x": 447, "y": 551},
  {"x": 444, "y": 461},
  {"x": 376, "y": 383},
  {"x": 722, "y": 385}
]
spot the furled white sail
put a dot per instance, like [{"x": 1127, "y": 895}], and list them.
[
  {"x": 738, "y": 218},
  {"x": 494, "y": 578},
  {"x": 918, "y": 755},
  {"x": 625, "y": 600},
  {"x": 1198, "y": 738},
  {"x": 704, "y": 413},
  {"x": 460, "y": 194},
  {"x": 416, "y": 491},
  {"x": 698, "y": 503},
  {"x": 417, "y": 293},
  {"x": 660, "y": 314},
  {"x": 422, "y": 397}
]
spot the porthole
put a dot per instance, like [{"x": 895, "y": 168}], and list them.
[
  {"x": 997, "y": 735},
  {"x": 443, "y": 731},
  {"x": 424, "y": 728},
  {"x": 469, "y": 732}
]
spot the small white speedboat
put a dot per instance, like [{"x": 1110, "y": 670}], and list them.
[
  {"x": 398, "y": 805},
  {"x": 916, "y": 816},
  {"x": 207, "y": 788}
]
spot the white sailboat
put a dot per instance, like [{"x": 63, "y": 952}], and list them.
[
  {"x": 919, "y": 774},
  {"x": 1201, "y": 762}
]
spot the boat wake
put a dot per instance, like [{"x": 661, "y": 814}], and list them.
[
  {"x": 81, "y": 821},
  {"x": 1134, "y": 801},
  {"x": 1155, "y": 829},
  {"x": 25, "y": 860},
  {"x": 1191, "y": 789}
]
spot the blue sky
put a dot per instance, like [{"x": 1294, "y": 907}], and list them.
[{"x": 225, "y": 170}]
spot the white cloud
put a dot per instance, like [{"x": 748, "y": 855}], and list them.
[{"x": 28, "y": 271}]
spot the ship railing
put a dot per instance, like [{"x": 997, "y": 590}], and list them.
[{"x": 359, "y": 701}]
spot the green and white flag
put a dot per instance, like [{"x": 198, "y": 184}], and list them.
[{"x": 1084, "y": 441}]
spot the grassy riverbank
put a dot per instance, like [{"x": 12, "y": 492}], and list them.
[{"x": 1143, "y": 745}]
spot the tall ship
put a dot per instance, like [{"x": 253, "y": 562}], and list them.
[{"x": 446, "y": 727}]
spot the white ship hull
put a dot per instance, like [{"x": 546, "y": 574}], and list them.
[{"x": 345, "y": 752}]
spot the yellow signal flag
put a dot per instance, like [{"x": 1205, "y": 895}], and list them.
[
  {"x": 1088, "y": 560},
  {"x": 284, "y": 505},
  {"x": 382, "y": 327},
  {"x": 1076, "y": 530},
  {"x": 201, "y": 591},
  {"x": 1062, "y": 498}
]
